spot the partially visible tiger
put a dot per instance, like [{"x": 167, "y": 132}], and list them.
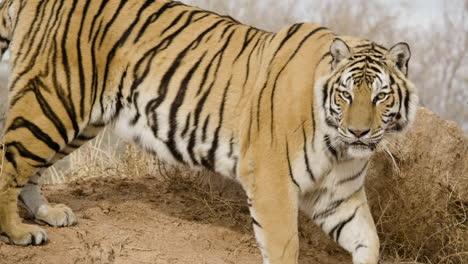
[{"x": 293, "y": 116}]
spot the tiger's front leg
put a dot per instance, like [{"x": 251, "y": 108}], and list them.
[
  {"x": 273, "y": 204},
  {"x": 348, "y": 221}
]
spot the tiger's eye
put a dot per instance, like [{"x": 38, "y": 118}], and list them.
[
  {"x": 346, "y": 94},
  {"x": 381, "y": 96}
]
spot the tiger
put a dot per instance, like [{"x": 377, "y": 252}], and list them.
[{"x": 293, "y": 116}]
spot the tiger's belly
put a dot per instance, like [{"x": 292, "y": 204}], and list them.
[{"x": 180, "y": 139}]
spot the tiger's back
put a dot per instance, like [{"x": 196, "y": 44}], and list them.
[{"x": 159, "y": 67}]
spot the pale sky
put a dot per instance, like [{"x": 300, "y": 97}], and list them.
[{"x": 421, "y": 12}]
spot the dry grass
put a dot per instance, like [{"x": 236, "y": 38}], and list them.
[
  {"x": 105, "y": 156},
  {"x": 415, "y": 225},
  {"x": 421, "y": 217}
]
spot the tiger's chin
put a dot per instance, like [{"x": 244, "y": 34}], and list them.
[{"x": 360, "y": 151}]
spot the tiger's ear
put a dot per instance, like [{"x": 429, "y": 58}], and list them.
[
  {"x": 400, "y": 54},
  {"x": 339, "y": 51}
]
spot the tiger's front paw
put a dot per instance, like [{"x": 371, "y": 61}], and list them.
[
  {"x": 24, "y": 235},
  {"x": 58, "y": 215}
]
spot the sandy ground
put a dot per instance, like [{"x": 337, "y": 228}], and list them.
[{"x": 152, "y": 220}]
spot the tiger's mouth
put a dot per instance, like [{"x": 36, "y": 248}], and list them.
[
  {"x": 359, "y": 143},
  {"x": 361, "y": 146},
  {"x": 360, "y": 149}
]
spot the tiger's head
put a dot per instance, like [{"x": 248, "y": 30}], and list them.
[{"x": 367, "y": 96}]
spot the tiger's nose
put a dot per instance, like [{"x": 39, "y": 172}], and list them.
[{"x": 359, "y": 132}]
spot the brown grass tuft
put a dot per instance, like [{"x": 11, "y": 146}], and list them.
[
  {"x": 425, "y": 222},
  {"x": 421, "y": 210}
]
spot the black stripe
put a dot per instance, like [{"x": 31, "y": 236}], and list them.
[
  {"x": 174, "y": 22},
  {"x": 247, "y": 40},
  {"x": 153, "y": 104},
  {"x": 81, "y": 69},
  {"x": 273, "y": 92},
  {"x": 20, "y": 122},
  {"x": 325, "y": 93},
  {"x": 94, "y": 71},
  {"x": 33, "y": 86},
  {"x": 73, "y": 145},
  {"x": 306, "y": 157},
  {"x": 93, "y": 23},
  {"x": 289, "y": 166},
  {"x": 205, "y": 127},
  {"x": 375, "y": 69},
  {"x": 36, "y": 51},
  {"x": 291, "y": 31},
  {"x": 400, "y": 95},
  {"x": 406, "y": 102},
  {"x": 339, "y": 227},
  {"x": 314, "y": 129},
  {"x": 249, "y": 131},
  {"x": 201, "y": 102},
  {"x": 145, "y": 62},
  {"x": 231, "y": 147},
  {"x": 331, "y": 209},
  {"x": 112, "y": 20},
  {"x": 178, "y": 101},
  {"x": 205, "y": 75},
  {"x": 187, "y": 125},
  {"x": 24, "y": 152},
  {"x": 338, "y": 232},
  {"x": 32, "y": 32},
  {"x": 120, "y": 42},
  {"x": 247, "y": 68},
  {"x": 330, "y": 147},
  {"x": 85, "y": 138},
  {"x": 4, "y": 39},
  {"x": 328, "y": 54},
  {"x": 152, "y": 19},
  {"x": 359, "y": 246},
  {"x": 255, "y": 222},
  {"x": 214, "y": 145},
  {"x": 134, "y": 99},
  {"x": 219, "y": 55},
  {"x": 66, "y": 98},
  {"x": 353, "y": 177},
  {"x": 119, "y": 98},
  {"x": 10, "y": 157},
  {"x": 42, "y": 166}
]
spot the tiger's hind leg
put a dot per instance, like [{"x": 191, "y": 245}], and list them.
[
  {"x": 58, "y": 215},
  {"x": 18, "y": 164}
]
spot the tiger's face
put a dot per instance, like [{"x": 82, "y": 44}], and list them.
[{"x": 368, "y": 96}]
